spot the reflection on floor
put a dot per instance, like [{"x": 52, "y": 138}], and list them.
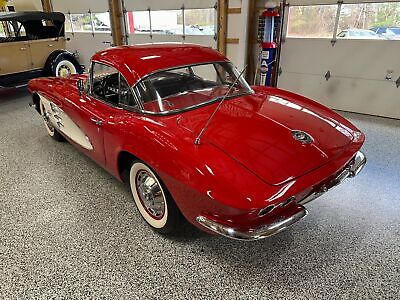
[{"x": 70, "y": 230}]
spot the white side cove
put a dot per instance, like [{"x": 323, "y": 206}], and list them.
[{"x": 64, "y": 124}]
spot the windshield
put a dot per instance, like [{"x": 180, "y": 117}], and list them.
[{"x": 185, "y": 87}]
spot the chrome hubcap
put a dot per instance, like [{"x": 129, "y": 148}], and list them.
[
  {"x": 150, "y": 194},
  {"x": 64, "y": 71}
]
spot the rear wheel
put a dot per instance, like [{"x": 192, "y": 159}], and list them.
[
  {"x": 48, "y": 125},
  {"x": 153, "y": 200}
]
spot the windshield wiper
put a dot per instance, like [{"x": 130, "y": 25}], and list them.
[{"x": 198, "y": 138}]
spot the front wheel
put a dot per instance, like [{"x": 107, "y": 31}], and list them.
[{"x": 153, "y": 200}]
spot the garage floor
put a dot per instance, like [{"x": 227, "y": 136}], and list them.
[{"x": 70, "y": 230}]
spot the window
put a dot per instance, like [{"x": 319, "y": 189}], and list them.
[
  {"x": 317, "y": 21},
  {"x": 67, "y": 24},
  {"x": 167, "y": 22},
  {"x": 185, "y": 87},
  {"x": 126, "y": 96},
  {"x": 101, "y": 22},
  {"x": 206, "y": 72},
  {"x": 95, "y": 22},
  {"x": 2, "y": 31},
  {"x": 200, "y": 21},
  {"x": 138, "y": 22},
  {"x": 110, "y": 86},
  {"x": 81, "y": 22},
  {"x": 370, "y": 21},
  {"x": 197, "y": 22},
  {"x": 105, "y": 83}
]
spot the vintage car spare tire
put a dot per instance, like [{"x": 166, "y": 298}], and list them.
[{"x": 153, "y": 200}]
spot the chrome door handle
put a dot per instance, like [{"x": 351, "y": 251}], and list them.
[
  {"x": 96, "y": 121},
  {"x": 22, "y": 49},
  {"x": 50, "y": 45}
]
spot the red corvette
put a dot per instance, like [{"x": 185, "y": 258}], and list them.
[{"x": 194, "y": 141}]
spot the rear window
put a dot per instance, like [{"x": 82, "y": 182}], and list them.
[{"x": 186, "y": 87}]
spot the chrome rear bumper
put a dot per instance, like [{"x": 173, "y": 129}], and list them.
[
  {"x": 276, "y": 226},
  {"x": 280, "y": 223},
  {"x": 352, "y": 169}
]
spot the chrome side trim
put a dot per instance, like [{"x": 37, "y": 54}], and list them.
[
  {"x": 64, "y": 124},
  {"x": 267, "y": 230},
  {"x": 352, "y": 169}
]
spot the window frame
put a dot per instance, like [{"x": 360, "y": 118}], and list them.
[
  {"x": 336, "y": 29},
  {"x": 119, "y": 104}
]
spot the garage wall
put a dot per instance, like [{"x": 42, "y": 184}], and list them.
[
  {"x": 84, "y": 44},
  {"x": 358, "y": 71},
  {"x": 26, "y": 5}
]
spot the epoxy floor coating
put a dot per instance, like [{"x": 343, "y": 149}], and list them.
[{"x": 68, "y": 229}]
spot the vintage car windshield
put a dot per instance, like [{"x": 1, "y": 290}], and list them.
[{"x": 185, "y": 87}]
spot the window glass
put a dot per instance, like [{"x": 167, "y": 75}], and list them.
[
  {"x": 101, "y": 22},
  {"x": 197, "y": 22},
  {"x": 105, "y": 83},
  {"x": 200, "y": 21},
  {"x": 67, "y": 24},
  {"x": 184, "y": 87},
  {"x": 167, "y": 22},
  {"x": 370, "y": 21},
  {"x": 20, "y": 29},
  {"x": 2, "y": 31},
  {"x": 206, "y": 72},
  {"x": 126, "y": 96},
  {"x": 81, "y": 22},
  {"x": 317, "y": 21},
  {"x": 138, "y": 22}
]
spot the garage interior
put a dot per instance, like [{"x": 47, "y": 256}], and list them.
[{"x": 70, "y": 230}]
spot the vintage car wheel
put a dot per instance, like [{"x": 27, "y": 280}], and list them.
[
  {"x": 64, "y": 67},
  {"x": 49, "y": 127},
  {"x": 153, "y": 200}
]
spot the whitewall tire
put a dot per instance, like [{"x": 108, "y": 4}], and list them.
[
  {"x": 65, "y": 68},
  {"x": 153, "y": 199}
]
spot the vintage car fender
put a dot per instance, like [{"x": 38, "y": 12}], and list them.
[{"x": 55, "y": 56}]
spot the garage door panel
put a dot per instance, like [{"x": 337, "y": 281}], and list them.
[
  {"x": 349, "y": 94},
  {"x": 358, "y": 71},
  {"x": 79, "y": 6},
  {"x": 162, "y": 38},
  {"x": 204, "y": 40},
  {"x": 80, "y": 40},
  {"x": 368, "y": 59},
  {"x": 134, "y": 5}
]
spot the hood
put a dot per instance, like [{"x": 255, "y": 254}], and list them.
[{"x": 256, "y": 131}]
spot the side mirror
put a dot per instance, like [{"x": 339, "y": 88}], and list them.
[{"x": 81, "y": 86}]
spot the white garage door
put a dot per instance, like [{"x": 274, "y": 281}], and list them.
[
  {"x": 345, "y": 56},
  {"x": 189, "y": 21},
  {"x": 87, "y": 25}
]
